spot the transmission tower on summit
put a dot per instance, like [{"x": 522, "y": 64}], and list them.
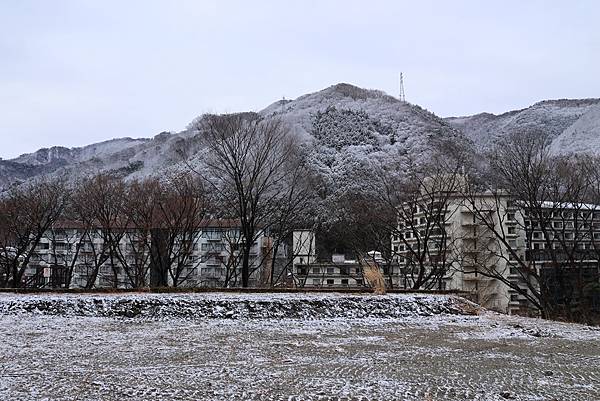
[{"x": 402, "y": 97}]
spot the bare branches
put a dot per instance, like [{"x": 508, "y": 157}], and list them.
[
  {"x": 248, "y": 169},
  {"x": 26, "y": 213},
  {"x": 541, "y": 230}
]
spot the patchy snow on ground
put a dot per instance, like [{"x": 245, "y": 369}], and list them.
[{"x": 286, "y": 347}]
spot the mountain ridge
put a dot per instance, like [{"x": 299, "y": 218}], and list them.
[{"x": 342, "y": 121}]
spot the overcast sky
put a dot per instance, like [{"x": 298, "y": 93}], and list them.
[{"x": 77, "y": 72}]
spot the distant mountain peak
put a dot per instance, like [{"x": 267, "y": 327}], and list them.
[
  {"x": 343, "y": 124},
  {"x": 552, "y": 117},
  {"x": 356, "y": 93}
]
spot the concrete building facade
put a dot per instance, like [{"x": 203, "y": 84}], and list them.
[{"x": 212, "y": 259}]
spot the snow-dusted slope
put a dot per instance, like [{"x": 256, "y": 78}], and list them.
[
  {"x": 550, "y": 116},
  {"x": 409, "y": 126},
  {"x": 238, "y": 306},
  {"x": 74, "y": 155},
  {"x": 129, "y": 158},
  {"x": 582, "y": 136},
  {"x": 56, "y": 158},
  {"x": 348, "y": 128},
  {"x": 392, "y": 126}
]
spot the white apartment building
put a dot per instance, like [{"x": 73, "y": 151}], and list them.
[
  {"x": 308, "y": 273},
  {"x": 338, "y": 272},
  {"x": 472, "y": 248},
  {"x": 213, "y": 259}
]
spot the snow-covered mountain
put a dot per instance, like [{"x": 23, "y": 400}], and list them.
[
  {"x": 564, "y": 120},
  {"x": 400, "y": 124},
  {"x": 49, "y": 160},
  {"x": 581, "y": 136},
  {"x": 345, "y": 127},
  {"x": 343, "y": 121}
]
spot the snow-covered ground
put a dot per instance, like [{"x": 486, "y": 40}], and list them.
[{"x": 286, "y": 347}]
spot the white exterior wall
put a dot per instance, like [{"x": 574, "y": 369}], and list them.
[
  {"x": 470, "y": 246},
  {"x": 214, "y": 249},
  {"x": 304, "y": 246}
]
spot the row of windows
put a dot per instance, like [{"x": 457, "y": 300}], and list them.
[
  {"x": 330, "y": 282},
  {"x": 536, "y": 235},
  {"x": 421, "y": 233},
  {"x": 569, "y": 225},
  {"x": 343, "y": 270},
  {"x": 581, "y": 246},
  {"x": 570, "y": 214}
]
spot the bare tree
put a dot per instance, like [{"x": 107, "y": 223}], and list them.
[
  {"x": 245, "y": 167},
  {"x": 178, "y": 217},
  {"x": 98, "y": 206},
  {"x": 134, "y": 250},
  {"x": 26, "y": 213},
  {"x": 533, "y": 219},
  {"x": 292, "y": 208},
  {"x": 65, "y": 242}
]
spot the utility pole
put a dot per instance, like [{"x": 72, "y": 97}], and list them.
[{"x": 402, "y": 97}]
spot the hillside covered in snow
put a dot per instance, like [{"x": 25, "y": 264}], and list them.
[
  {"x": 572, "y": 124},
  {"x": 345, "y": 129},
  {"x": 345, "y": 124}
]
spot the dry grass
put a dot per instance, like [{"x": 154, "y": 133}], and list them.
[
  {"x": 373, "y": 276},
  {"x": 471, "y": 308}
]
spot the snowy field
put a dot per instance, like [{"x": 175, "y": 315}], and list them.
[{"x": 279, "y": 347}]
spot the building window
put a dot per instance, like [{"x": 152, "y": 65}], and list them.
[
  {"x": 344, "y": 281},
  {"x": 510, "y": 217},
  {"x": 330, "y": 281},
  {"x": 512, "y": 230},
  {"x": 60, "y": 246},
  {"x": 316, "y": 281}
]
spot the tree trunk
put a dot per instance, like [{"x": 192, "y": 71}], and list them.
[{"x": 246, "y": 267}]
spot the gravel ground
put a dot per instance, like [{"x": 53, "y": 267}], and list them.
[{"x": 416, "y": 357}]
